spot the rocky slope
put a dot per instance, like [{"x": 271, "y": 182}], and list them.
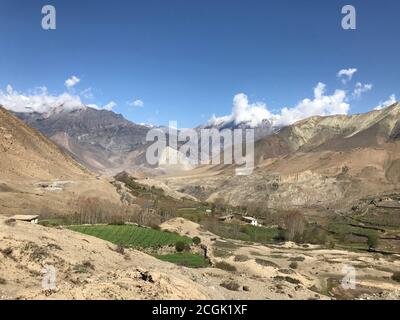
[
  {"x": 37, "y": 176},
  {"x": 318, "y": 161},
  {"x": 27, "y": 154},
  {"x": 90, "y": 268},
  {"x": 99, "y": 139},
  {"x": 86, "y": 268}
]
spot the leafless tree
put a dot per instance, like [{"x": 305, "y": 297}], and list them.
[{"x": 295, "y": 224}]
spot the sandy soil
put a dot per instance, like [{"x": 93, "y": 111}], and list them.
[
  {"x": 316, "y": 267},
  {"x": 90, "y": 268}
]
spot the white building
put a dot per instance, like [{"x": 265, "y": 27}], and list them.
[
  {"x": 252, "y": 221},
  {"x": 26, "y": 217}
]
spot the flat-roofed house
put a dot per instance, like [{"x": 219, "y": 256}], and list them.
[
  {"x": 251, "y": 220},
  {"x": 227, "y": 218},
  {"x": 26, "y": 217}
]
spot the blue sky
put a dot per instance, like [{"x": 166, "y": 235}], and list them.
[{"x": 187, "y": 59}]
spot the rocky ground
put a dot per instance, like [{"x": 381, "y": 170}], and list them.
[{"x": 90, "y": 268}]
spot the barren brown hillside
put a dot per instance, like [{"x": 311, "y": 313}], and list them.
[
  {"x": 318, "y": 161},
  {"x": 36, "y": 176}
]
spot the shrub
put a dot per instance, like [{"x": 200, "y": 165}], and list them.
[
  {"x": 266, "y": 263},
  {"x": 36, "y": 252},
  {"x": 241, "y": 258},
  {"x": 297, "y": 259},
  {"x": 396, "y": 276},
  {"x": 372, "y": 241},
  {"x": 10, "y": 222},
  {"x": 230, "y": 285},
  {"x": 85, "y": 267},
  {"x": 281, "y": 236},
  {"x": 3, "y": 281},
  {"x": 288, "y": 279},
  {"x": 120, "y": 249},
  {"x": 7, "y": 252},
  {"x": 180, "y": 246},
  {"x": 196, "y": 240},
  {"x": 225, "y": 266},
  {"x": 293, "y": 265},
  {"x": 116, "y": 222}
]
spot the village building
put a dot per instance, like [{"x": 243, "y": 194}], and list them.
[
  {"x": 27, "y": 218},
  {"x": 251, "y": 220},
  {"x": 227, "y": 218}
]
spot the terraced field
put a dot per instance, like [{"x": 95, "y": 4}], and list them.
[
  {"x": 131, "y": 235},
  {"x": 186, "y": 259}
]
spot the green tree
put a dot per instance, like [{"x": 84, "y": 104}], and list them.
[
  {"x": 196, "y": 240},
  {"x": 180, "y": 246}
]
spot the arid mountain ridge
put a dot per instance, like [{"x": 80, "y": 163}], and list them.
[
  {"x": 101, "y": 140},
  {"x": 37, "y": 176},
  {"x": 325, "y": 161},
  {"x": 316, "y": 160}
]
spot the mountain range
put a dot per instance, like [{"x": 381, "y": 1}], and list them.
[
  {"x": 320, "y": 161},
  {"x": 316, "y": 160},
  {"x": 37, "y": 176},
  {"x": 101, "y": 140}
]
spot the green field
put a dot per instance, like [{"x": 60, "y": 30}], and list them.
[
  {"x": 132, "y": 236},
  {"x": 186, "y": 259},
  {"x": 246, "y": 232}
]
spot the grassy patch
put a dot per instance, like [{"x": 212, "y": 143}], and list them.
[
  {"x": 190, "y": 260},
  {"x": 132, "y": 236},
  {"x": 53, "y": 222},
  {"x": 246, "y": 233}
]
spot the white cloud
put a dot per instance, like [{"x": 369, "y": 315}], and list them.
[
  {"x": 109, "y": 106},
  {"x": 392, "y": 100},
  {"x": 254, "y": 113},
  {"x": 87, "y": 93},
  {"x": 137, "y": 103},
  {"x": 321, "y": 105},
  {"x": 244, "y": 112},
  {"x": 361, "y": 88},
  {"x": 346, "y": 74},
  {"x": 39, "y": 100},
  {"x": 71, "y": 82}
]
